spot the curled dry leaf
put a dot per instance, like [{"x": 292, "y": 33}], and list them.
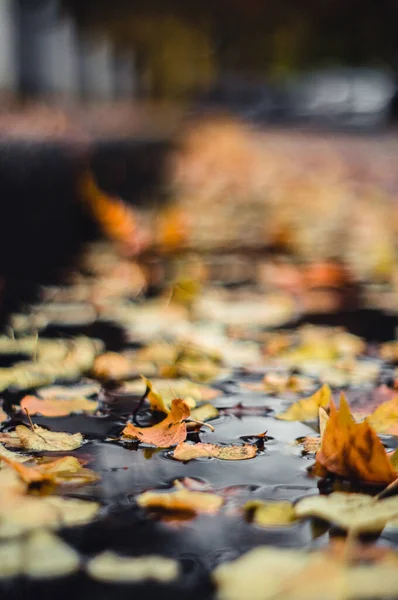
[
  {"x": 42, "y": 439},
  {"x": 353, "y": 450},
  {"x": 169, "y": 432},
  {"x": 356, "y": 512},
  {"x": 41, "y": 555},
  {"x": 58, "y": 407},
  {"x": 269, "y": 573},
  {"x": 268, "y": 514},
  {"x": 181, "y": 500},
  {"x": 109, "y": 566},
  {"x": 185, "y": 451},
  {"x": 307, "y": 409}
]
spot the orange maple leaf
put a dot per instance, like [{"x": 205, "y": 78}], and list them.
[
  {"x": 169, "y": 432},
  {"x": 353, "y": 450}
]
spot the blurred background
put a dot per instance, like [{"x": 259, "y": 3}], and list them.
[{"x": 258, "y": 136}]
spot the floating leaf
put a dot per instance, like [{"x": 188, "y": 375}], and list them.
[
  {"x": 15, "y": 456},
  {"x": 57, "y": 407},
  {"x": 269, "y": 573},
  {"x": 112, "y": 365},
  {"x": 52, "y": 441},
  {"x": 169, "y": 432},
  {"x": 357, "y": 512},
  {"x": 384, "y": 419},
  {"x": 205, "y": 412},
  {"x": 109, "y": 566},
  {"x": 66, "y": 469},
  {"x": 307, "y": 409},
  {"x": 280, "y": 383},
  {"x": 169, "y": 389},
  {"x": 353, "y": 450},
  {"x": 185, "y": 452},
  {"x": 268, "y": 514},
  {"x": 181, "y": 500},
  {"x": 46, "y": 556}
]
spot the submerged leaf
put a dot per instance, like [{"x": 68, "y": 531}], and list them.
[
  {"x": 57, "y": 407},
  {"x": 353, "y": 450},
  {"x": 109, "y": 566},
  {"x": 169, "y": 432},
  {"x": 185, "y": 452},
  {"x": 307, "y": 409}
]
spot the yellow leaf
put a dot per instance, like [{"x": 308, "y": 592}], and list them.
[
  {"x": 307, "y": 409},
  {"x": 268, "y": 514},
  {"x": 357, "y": 512},
  {"x": 109, "y": 566},
  {"x": 185, "y": 452},
  {"x": 384, "y": 419}
]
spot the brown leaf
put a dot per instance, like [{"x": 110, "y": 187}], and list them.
[
  {"x": 169, "y": 432},
  {"x": 307, "y": 409},
  {"x": 42, "y": 439},
  {"x": 54, "y": 407},
  {"x": 185, "y": 452},
  {"x": 353, "y": 450}
]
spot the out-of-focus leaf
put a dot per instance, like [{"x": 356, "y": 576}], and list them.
[
  {"x": 356, "y": 512},
  {"x": 185, "y": 452},
  {"x": 109, "y": 566},
  {"x": 111, "y": 365},
  {"x": 169, "y": 432},
  {"x": 307, "y": 409},
  {"x": 268, "y": 514},
  {"x": 66, "y": 469},
  {"x": 385, "y": 417},
  {"x": 58, "y": 407}
]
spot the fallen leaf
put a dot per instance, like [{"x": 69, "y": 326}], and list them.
[
  {"x": 109, "y": 566},
  {"x": 112, "y": 365},
  {"x": 57, "y": 407},
  {"x": 384, "y": 419},
  {"x": 269, "y": 573},
  {"x": 41, "y": 555},
  {"x": 356, "y": 512},
  {"x": 353, "y": 450},
  {"x": 52, "y": 441},
  {"x": 311, "y": 444},
  {"x": 307, "y": 409},
  {"x": 279, "y": 383},
  {"x": 169, "y": 432},
  {"x": 83, "y": 390},
  {"x": 15, "y": 456},
  {"x": 64, "y": 470},
  {"x": 181, "y": 500},
  {"x": 185, "y": 452},
  {"x": 46, "y": 556},
  {"x": 275, "y": 513},
  {"x": 205, "y": 412}
]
